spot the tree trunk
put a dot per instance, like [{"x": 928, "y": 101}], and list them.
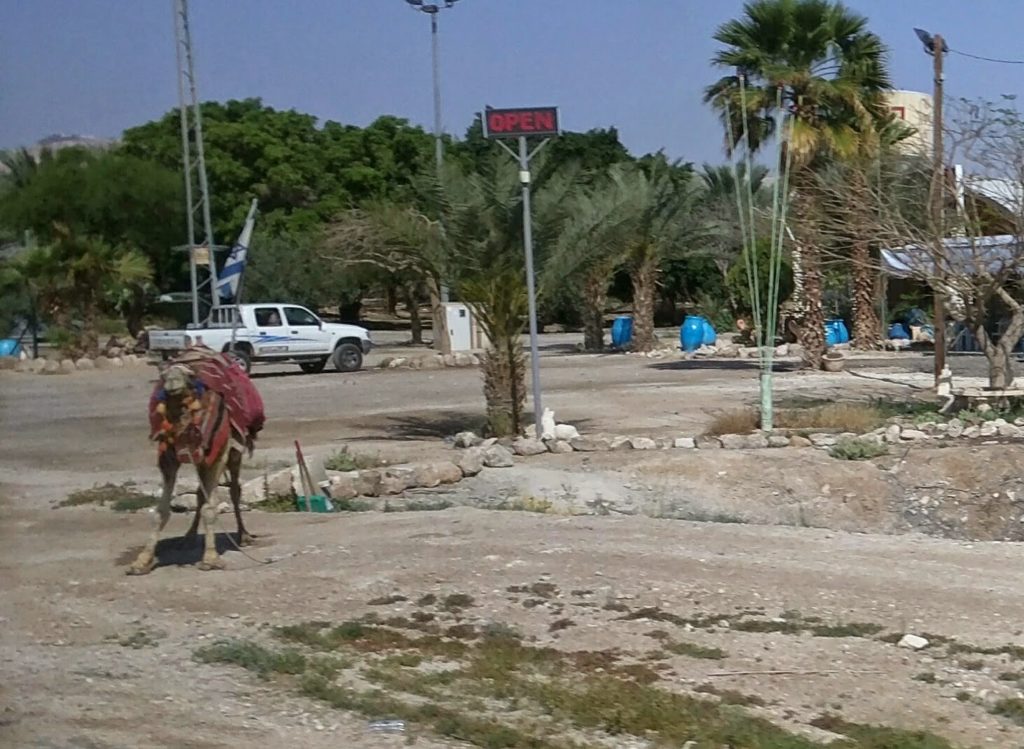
[
  {"x": 412, "y": 303},
  {"x": 1000, "y": 355},
  {"x": 504, "y": 370},
  {"x": 811, "y": 315},
  {"x": 644, "y": 277},
  {"x": 439, "y": 322},
  {"x": 595, "y": 287},
  {"x": 391, "y": 299},
  {"x": 865, "y": 319}
]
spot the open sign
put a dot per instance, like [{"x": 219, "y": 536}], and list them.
[{"x": 512, "y": 123}]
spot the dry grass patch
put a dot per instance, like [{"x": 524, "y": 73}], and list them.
[{"x": 839, "y": 417}]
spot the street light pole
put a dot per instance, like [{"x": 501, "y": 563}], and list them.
[
  {"x": 436, "y": 55},
  {"x": 434, "y": 10}
]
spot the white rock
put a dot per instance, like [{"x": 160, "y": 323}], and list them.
[
  {"x": 777, "y": 440},
  {"x": 497, "y": 456},
  {"x": 185, "y": 502},
  {"x": 913, "y": 642},
  {"x": 621, "y": 443},
  {"x": 1008, "y": 430},
  {"x": 467, "y": 439},
  {"x": 685, "y": 443},
  {"x": 824, "y": 440},
  {"x": 85, "y": 363},
  {"x": 643, "y": 443},
  {"x": 892, "y": 434},
  {"x": 566, "y": 432},
  {"x": 782, "y": 350},
  {"x": 913, "y": 434},
  {"x": 972, "y": 432},
  {"x": 527, "y": 446},
  {"x": 559, "y": 447},
  {"x": 988, "y": 429},
  {"x": 471, "y": 462},
  {"x": 547, "y": 425}
]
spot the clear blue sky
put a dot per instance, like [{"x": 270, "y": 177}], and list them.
[{"x": 98, "y": 66}]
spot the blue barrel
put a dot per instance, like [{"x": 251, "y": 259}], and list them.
[
  {"x": 691, "y": 333},
  {"x": 622, "y": 331},
  {"x": 9, "y": 347},
  {"x": 831, "y": 335},
  {"x": 838, "y": 331},
  {"x": 898, "y": 332},
  {"x": 709, "y": 334}
]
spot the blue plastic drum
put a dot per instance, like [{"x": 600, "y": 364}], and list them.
[
  {"x": 691, "y": 333},
  {"x": 622, "y": 331}
]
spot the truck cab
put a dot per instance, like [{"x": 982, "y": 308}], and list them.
[{"x": 272, "y": 332}]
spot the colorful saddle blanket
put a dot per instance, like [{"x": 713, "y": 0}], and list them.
[{"x": 219, "y": 397}]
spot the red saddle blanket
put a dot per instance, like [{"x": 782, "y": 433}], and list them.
[{"x": 219, "y": 397}]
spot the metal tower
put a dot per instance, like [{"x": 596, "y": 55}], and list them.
[{"x": 202, "y": 255}]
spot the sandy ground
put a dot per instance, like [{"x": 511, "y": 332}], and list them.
[{"x": 65, "y": 602}]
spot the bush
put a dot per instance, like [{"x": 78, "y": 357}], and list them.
[
  {"x": 857, "y": 449},
  {"x": 737, "y": 421}
]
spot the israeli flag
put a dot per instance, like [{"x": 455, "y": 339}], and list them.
[{"x": 231, "y": 273}]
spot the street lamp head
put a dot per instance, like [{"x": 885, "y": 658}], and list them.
[{"x": 929, "y": 41}]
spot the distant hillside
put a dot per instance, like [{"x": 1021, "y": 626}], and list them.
[{"x": 58, "y": 141}]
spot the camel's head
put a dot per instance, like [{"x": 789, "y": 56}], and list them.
[{"x": 175, "y": 379}]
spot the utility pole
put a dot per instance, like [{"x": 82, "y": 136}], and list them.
[
  {"x": 197, "y": 190},
  {"x": 936, "y": 47},
  {"x": 938, "y": 195}
]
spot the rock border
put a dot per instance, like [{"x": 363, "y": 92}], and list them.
[
  {"x": 68, "y": 366},
  {"x": 431, "y": 361}
]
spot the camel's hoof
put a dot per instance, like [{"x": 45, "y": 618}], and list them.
[
  {"x": 247, "y": 539},
  {"x": 140, "y": 569},
  {"x": 211, "y": 564}
]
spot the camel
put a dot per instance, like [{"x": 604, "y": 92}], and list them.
[{"x": 204, "y": 410}]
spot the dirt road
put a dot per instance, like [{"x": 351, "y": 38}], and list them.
[{"x": 795, "y": 624}]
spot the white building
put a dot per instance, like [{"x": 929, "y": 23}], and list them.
[{"x": 915, "y": 109}]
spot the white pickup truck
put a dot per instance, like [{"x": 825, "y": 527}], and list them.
[{"x": 271, "y": 332}]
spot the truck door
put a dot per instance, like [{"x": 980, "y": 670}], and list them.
[
  {"x": 271, "y": 337},
  {"x": 306, "y": 335}
]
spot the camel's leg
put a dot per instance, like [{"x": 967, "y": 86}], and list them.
[
  {"x": 190, "y": 537},
  {"x": 234, "y": 469},
  {"x": 159, "y": 515},
  {"x": 209, "y": 476}
]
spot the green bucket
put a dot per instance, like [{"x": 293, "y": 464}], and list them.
[{"x": 317, "y": 503}]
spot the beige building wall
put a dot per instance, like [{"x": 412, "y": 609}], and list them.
[{"x": 915, "y": 109}]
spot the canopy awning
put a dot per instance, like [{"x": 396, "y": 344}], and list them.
[{"x": 963, "y": 255}]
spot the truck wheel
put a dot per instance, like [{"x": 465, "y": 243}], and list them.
[
  {"x": 242, "y": 355},
  {"x": 313, "y": 367},
  {"x": 348, "y": 357}
]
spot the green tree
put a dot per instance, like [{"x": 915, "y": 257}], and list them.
[
  {"x": 75, "y": 278},
  {"x": 816, "y": 61},
  {"x": 302, "y": 174},
  {"x": 499, "y": 302},
  {"x": 114, "y": 197},
  {"x": 724, "y": 243},
  {"x": 658, "y": 219}
]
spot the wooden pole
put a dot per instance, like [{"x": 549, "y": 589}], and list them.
[{"x": 938, "y": 194}]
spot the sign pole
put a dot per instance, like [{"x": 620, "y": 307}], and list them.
[
  {"x": 524, "y": 180},
  {"x": 519, "y": 123}
]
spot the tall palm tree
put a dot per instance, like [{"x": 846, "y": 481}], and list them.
[{"x": 817, "y": 62}]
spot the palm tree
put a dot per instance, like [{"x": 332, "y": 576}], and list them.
[
  {"x": 816, "y": 61},
  {"x": 75, "y": 278},
  {"x": 657, "y": 219}
]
